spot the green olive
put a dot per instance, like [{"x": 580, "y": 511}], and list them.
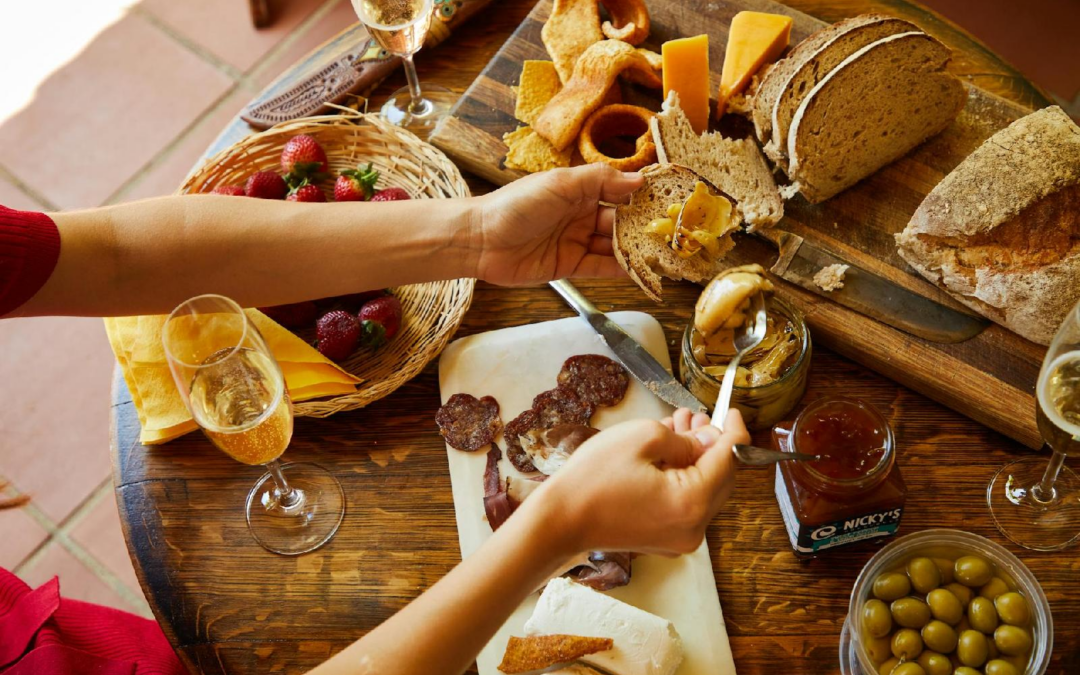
[
  {"x": 1019, "y": 662},
  {"x": 992, "y": 652},
  {"x": 962, "y": 593},
  {"x": 972, "y": 648},
  {"x": 945, "y": 606},
  {"x": 994, "y": 588},
  {"x": 877, "y": 620},
  {"x": 935, "y": 664},
  {"x": 879, "y": 649},
  {"x": 939, "y": 636},
  {"x": 910, "y": 612},
  {"x": 982, "y": 615},
  {"x": 909, "y": 668},
  {"x": 1012, "y": 640},
  {"x": 945, "y": 569},
  {"x": 924, "y": 575},
  {"x": 888, "y": 667},
  {"x": 891, "y": 586},
  {"x": 971, "y": 570},
  {"x": 906, "y": 644},
  {"x": 964, "y": 670},
  {"x": 1012, "y": 608},
  {"x": 1000, "y": 667}
]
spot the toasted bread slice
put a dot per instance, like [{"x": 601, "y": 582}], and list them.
[
  {"x": 647, "y": 257},
  {"x": 538, "y": 652},
  {"x": 737, "y": 167}
]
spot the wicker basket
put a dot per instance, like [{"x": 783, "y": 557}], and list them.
[{"x": 432, "y": 311}]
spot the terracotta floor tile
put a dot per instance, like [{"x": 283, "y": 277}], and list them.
[
  {"x": 224, "y": 28},
  {"x": 14, "y": 198},
  {"x": 338, "y": 19},
  {"x": 164, "y": 178},
  {"x": 100, "y": 534},
  {"x": 21, "y": 535},
  {"x": 54, "y": 409},
  {"x": 101, "y": 117},
  {"x": 76, "y": 580}
]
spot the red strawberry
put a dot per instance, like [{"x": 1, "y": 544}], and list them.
[
  {"x": 304, "y": 156},
  {"x": 394, "y": 194},
  {"x": 295, "y": 315},
  {"x": 355, "y": 185},
  {"x": 230, "y": 190},
  {"x": 266, "y": 185},
  {"x": 306, "y": 193},
  {"x": 337, "y": 333},
  {"x": 381, "y": 319}
]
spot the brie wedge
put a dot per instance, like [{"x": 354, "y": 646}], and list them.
[{"x": 645, "y": 644}]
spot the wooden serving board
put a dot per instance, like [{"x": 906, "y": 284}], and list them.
[{"x": 991, "y": 378}]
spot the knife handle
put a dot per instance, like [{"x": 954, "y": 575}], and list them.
[{"x": 574, "y": 298}]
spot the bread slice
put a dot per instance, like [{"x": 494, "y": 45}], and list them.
[
  {"x": 1001, "y": 233},
  {"x": 646, "y": 257},
  {"x": 735, "y": 166},
  {"x": 788, "y": 84},
  {"x": 878, "y": 104}
]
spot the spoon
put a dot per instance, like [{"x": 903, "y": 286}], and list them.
[
  {"x": 755, "y": 456},
  {"x": 753, "y": 332}
]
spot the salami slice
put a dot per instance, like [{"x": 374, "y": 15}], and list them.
[
  {"x": 560, "y": 406},
  {"x": 468, "y": 423},
  {"x": 518, "y": 426},
  {"x": 596, "y": 379}
]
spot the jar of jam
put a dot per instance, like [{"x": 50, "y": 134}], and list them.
[{"x": 854, "y": 492}]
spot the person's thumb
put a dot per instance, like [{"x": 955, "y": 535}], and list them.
[{"x": 610, "y": 184}]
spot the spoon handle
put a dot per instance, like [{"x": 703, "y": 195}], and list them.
[
  {"x": 755, "y": 456},
  {"x": 723, "y": 399}
]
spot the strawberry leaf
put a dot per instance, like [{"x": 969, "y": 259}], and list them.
[{"x": 372, "y": 334}]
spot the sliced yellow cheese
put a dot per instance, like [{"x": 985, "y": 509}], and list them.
[
  {"x": 686, "y": 70},
  {"x": 754, "y": 39}
]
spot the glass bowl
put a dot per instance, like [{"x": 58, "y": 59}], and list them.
[{"x": 946, "y": 543}]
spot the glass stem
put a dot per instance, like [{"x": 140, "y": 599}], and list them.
[
  {"x": 416, "y": 102},
  {"x": 1044, "y": 491},
  {"x": 286, "y": 494}
]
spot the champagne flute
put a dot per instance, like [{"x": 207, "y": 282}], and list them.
[
  {"x": 1034, "y": 503},
  {"x": 400, "y": 27},
  {"x": 234, "y": 388}
]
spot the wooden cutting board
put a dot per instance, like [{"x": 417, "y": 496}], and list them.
[
  {"x": 516, "y": 364},
  {"x": 990, "y": 378}
]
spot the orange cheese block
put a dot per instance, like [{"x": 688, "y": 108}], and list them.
[
  {"x": 686, "y": 70},
  {"x": 754, "y": 39}
]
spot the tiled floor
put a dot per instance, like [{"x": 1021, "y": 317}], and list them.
[{"x": 114, "y": 100}]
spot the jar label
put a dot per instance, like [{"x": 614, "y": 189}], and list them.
[{"x": 813, "y": 538}]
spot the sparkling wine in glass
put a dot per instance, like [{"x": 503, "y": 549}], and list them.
[
  {"x": 400, "y": 27},
  {"x": 1036, "y": 503},
  {"x": 234, "y": 389}
]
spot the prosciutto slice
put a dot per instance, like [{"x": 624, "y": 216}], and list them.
[
  {"x": 605, "y": 570},
  {"x": 497, "y": 504}
]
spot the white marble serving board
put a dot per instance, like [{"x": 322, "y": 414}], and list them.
[{"x": 516, "y": 364}]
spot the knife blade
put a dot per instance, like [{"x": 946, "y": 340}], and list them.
[
  {"x": 870, "y": 294},
  {"x": 628, "y": 351}
]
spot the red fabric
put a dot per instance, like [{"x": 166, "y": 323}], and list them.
[
  {"x": 42, "y": 634},
  {"x": 29, "y": 249}
]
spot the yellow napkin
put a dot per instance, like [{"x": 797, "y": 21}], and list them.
[{"x": 136, "y": 341}]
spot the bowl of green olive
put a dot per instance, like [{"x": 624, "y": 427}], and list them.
[{"x": 946, "y": 602}]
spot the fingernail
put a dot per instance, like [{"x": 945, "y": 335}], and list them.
[
  {"x": 631, "y": 175},
  {"x": 707, "y": 435}
]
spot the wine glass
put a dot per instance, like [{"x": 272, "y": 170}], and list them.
[
  {"x": 234, "y": 388},
  {"x": 1034, "y": 503},
  {"x": 401, "y": 26}
]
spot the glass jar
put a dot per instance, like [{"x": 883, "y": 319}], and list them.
[
  {"x": 761, "y": 406},
  {"x": 855, "y": 492}
]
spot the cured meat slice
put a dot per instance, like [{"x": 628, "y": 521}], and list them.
[
  {"x": 468, "y": 423},
  {"x": 560, "y": 406},
  {"x": 549, "y": 449},
  {"x": 512, "y": 433},
  {"x": 596, "y": 379},
  {"x": 497, "y": 504},
  {"x": 605, "y": 570}
]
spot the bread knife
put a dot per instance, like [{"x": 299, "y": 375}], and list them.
[
  {"x": 629, "y": 351},
  {"x": 869, "y": 293}
]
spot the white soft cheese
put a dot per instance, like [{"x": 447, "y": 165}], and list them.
[{"x": 645, "y": 644}]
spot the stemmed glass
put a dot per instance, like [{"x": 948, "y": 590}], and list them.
[
  {"x": 1035, "y": 504},
  {"x": 234, "y": 388},
  {"x": 401, "y": 26}
]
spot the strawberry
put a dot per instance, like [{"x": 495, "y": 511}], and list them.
[
  {"x": 337, "y": 334},
  {"x": 355, "y": 185},
  {"x": 294, "y": 315},
  {"x": 266, "y": 185},
  {"x": 394, "y": 194},
  {"x": 230, "y": 190},
  {"x": 381, "y": 319},
  {"x": 306, "y": 193},
  {"x": 303, "y": 156}
]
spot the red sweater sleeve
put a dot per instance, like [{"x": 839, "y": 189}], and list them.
[{"x": 29, "y": 249}]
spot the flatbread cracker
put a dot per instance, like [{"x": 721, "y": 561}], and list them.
[
  {"x": 528, "y": 151},
  {"x": 538, "y": 85},
  {"x": 538, "y": 652},
  {"x": 572, "y": 27}
]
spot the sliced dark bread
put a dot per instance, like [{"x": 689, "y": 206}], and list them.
[
  {"x": 646, "y": 257},
  {"x": 737, "y": 167},
  {"x": 1001, "y": 233},
  {"x": 878, "y": 104}
]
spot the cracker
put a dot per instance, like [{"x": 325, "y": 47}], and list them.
[
  {"x": 527, "y": 151},
  {"x": 629, "y": 21},
  {"x": 539, "y": 652},
  {"x": 539, "y": 83},
  {"x": 572, "y": 27}
]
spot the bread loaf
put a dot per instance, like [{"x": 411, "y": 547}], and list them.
[{"x": 1001, "y": 233}]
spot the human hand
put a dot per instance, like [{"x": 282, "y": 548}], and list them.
[
  {"x": 551, "y": 225},
  {"x": 645, "y": 486}
]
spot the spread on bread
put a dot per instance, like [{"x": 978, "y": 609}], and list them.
[
  {"x": 754, "y": 39},
  {"x": 695, "y": 224}
]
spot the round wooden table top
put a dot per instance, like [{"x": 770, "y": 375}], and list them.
[{"x": 228, "y": 606}]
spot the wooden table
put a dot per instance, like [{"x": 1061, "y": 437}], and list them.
[{"x": 228, "y": 606}]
